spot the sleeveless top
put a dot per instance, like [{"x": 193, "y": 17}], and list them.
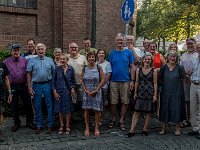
[{"x": 157, "y": 61}]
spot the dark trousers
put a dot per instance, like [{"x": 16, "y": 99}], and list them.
[{"x": 21, "y": 91}]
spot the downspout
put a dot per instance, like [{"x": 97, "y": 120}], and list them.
[{"x": 93, "y": 32}]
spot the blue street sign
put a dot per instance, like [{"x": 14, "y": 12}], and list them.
[{"x": 127, "y": 10}]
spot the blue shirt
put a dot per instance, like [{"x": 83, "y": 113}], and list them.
[
  {"x": 41, "y": 69},
  {"x": 120, "y": 62}
]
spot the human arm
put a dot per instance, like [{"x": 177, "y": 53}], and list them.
[
  {"x": 136, "y": 83},
  {"x": 7, "y": 82},
  {"x": 155, "y": 85},
  {"x": 29, "y": 82}
]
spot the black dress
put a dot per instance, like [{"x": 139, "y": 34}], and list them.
[
  {"x": 172, "y": 107},
  {"x": 145, "y": 92}
]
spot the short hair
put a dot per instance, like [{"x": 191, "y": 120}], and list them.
[
  {"x": 40, "y": 45},
  {"x": 190, "y": 39},
  {"x": 91, "y": 53},
  {"x": 130, "y": 37},
  {"x": 119, "y": 35},
  {"x": 31, "y": 40},
  {"x": 57, "y": 49},
  {"x": 173, "y": 52},
  {"x": 169, "y": 48},
  {"x": 86, "y": 38},
  {"x": 145, "y": 55},
  {"x": 101, "y": 50},
  {"x": 153, "y": 43},
  {"x": 65, "y": 56}
]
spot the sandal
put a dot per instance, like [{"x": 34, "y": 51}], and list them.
[
  {"x": 122, "y": 126},
  {"x": 111, "y": 124},
  {"x": 87, "y": 133},
  {"x": 61, "y": 130},
  {"x": 97, "y": 133},
  {"x": 68, "y": 130}
]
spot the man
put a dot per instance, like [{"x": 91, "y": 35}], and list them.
[
  {"x": 31, "y": 50},
  {"x": 122, "y": 78},
  {"x": 40, "y": 70},
  {"x": 4, "y": 81},
  {"x": 146, "y": 47},
  {"x": 87, "y": 47},
  {"x": 77, "y": 61},
  {"x": 186, "y": 60},
  {"x": 18, "y": 81},
  {"x": 195, "y": 95}
]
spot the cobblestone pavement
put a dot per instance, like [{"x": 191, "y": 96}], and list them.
[{"x": 26, "y": 139}]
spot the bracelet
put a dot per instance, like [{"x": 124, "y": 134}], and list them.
[{"x": 9, "y": 92}]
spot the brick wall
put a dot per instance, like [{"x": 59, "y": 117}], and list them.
[{"x": 56, "y": 23}]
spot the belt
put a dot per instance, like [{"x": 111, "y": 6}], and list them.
[
  {"x": 196, "y": 82},
  {"x": 44, "y": 82}
]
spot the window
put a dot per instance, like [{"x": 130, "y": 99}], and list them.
[{"x": 19, "y": 3}]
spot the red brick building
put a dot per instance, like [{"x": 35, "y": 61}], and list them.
[{"x": 58, "y": 22}]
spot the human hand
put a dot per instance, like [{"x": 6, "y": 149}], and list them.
[
  {"x": 131, "y": 85},
  {"x": 9, "y": 98},
  {"x": 31, "y": 92},
  {"x": 56, "y": 95},
  {"x": 154, "y": 98}
]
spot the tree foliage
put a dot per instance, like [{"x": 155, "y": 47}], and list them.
[{"x": 172, "y": 20}]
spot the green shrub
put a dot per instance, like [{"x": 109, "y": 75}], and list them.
[{"x": 4, "y": 54}]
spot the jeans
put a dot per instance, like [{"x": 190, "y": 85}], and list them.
[
  {"x": 46, "y": 90},
  {"x": 21, "y": 91}
]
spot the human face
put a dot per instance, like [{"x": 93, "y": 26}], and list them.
[
  {"x": 41, "y": 51},
  {"x": 147, "y": 61},
  {"x": 91, "y": 59},
  {"x": 172, "y": 59},
  {"x": 152, "y": 48},
  {"x": 15, "y": 53},
  {"x": 73, "y": 49},
  {"x": 101, "y": 55},
  {"x": 57, "y": 54},
  {"x": 173, "y": 47},
  {"x": 120, "y": 42},
  {"x": 87, "y": 44},
  {"x": 31, "y": 45},
  {"x": 63, "y": 61},
  {"x": 190, "y": 46},
  {"x": 129, "y": 42},
  {"x": 145, "y": 44}
]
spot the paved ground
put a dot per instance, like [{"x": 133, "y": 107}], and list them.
[{"x": 26, "y": 139}]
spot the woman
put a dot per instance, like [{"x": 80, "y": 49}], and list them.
[
  {"x": 101, "y": 54},
  {"x": 158, "y": 59},
  {"x": 172, "y": 46},
  {"x": 63, "y": 90},
  {"x": 172, "y": 93},
  {"x": 145, "y": 93},
  {"x": 57, "y": 53},
  {"x": 92, "y": 80}
]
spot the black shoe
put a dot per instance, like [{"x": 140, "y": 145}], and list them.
[
  {"x": 192, "y": 133},
  {"x": 38, "y": 131},
  {"x": 1, "y": 137},
  {"x": 32, "y": 126},
  {"x": 15, "y": 127},
  {"x": 130, "y": 134},
  {"x": 198, "y": 136},
  {"x": 49, "y": 131},
  {"x": 144, "y": 133}
]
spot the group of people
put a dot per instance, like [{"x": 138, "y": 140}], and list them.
[{"x": 87, "y": 78}]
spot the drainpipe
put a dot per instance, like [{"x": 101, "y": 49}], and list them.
[{"x": 93, "y": 32}]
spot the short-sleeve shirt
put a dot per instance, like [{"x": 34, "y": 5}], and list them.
[
  {"x": 195, "y": 70},
  {"x": 3, "y": 72},
  {"x": 41, "y": 69},
  {"x": 77, "y": 63},
  {"x": 120, "y": 62},
  {"x": 106, "y": 67}
]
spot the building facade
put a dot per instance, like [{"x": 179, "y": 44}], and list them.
[{"x": 56, "y": 23}]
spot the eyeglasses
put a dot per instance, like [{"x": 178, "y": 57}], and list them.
[{"x": 73, "y": 47}]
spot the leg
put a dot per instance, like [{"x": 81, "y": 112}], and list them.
[
  {"x": 49, "y": 103},
  {"x": 134, "y": 121},
  {"x": 61, "y": 118},
  {"x": 163, "y": 128},
  {"x": 146, "y": 121},
  {"x": 87, "y": 116},
  {"x": 97, "y": 117},
  {"x": 68, "y": 119},
  {"x": 1, "y": 124},
  {"x": 178, "y": 129},
  {"x": 26, "y": 99},
  {"x": 38, "y": 105}
]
